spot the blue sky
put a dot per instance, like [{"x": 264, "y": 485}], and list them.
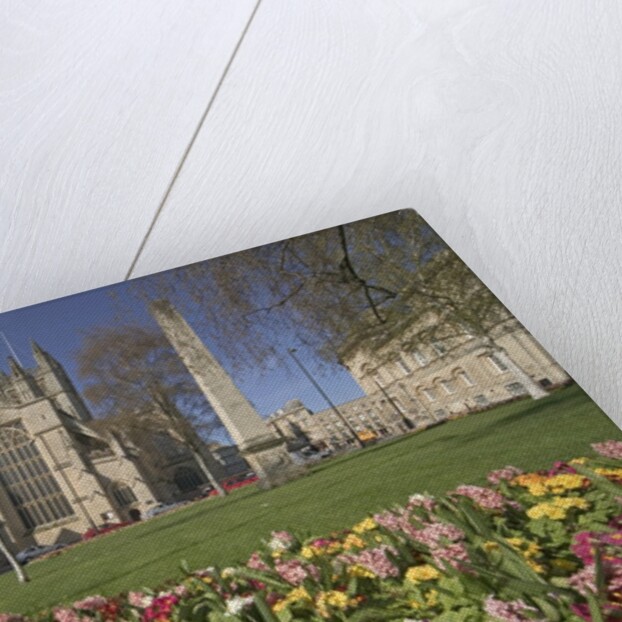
[{"x": 58, "y": 326}]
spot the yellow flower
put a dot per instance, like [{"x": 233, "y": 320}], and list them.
[
  {"x": 367, "y": 524},
  {"x": 609, "y": 472},
  {"x": 276, "y": 554},
  {"x": 415, "y": 604},
  {"x": 333, "y": 598},
  {"x": 577, "y": 461},
  {"x": 280, "y": 605},
  {"x": 490, "y": 546},
  {"x": 307, "y": 552},
  {"x": 298, "y": 594},
  {"x": 528, "y": 549},
  {"x": 570, "y": 502},
  {"x": 564, "y": 481},
  {"x": 432, "y": 598},
  {"x": 535, "y": 566},
  {"x": 546, "y": 510},
  {"x": 426, "y": 572},
  {"x": 356, "y": 570},
  {"x": 353, "y": 542}
]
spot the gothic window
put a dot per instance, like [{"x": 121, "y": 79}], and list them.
[
  {"x": 516, "y": 388},
  {"x": 466, "y": 379},
  {"x": 448, "y": 386},
  {"x": 123, "y": 494},
  {"x": 430, "y": 394},
  {"x": 29, "y": 484},
  {"x": 420, "y": 357},
  {"x": 403, "y": 365},
  {"x": 439, "y": 347},
  {"x": 497, "y": 363},
  {"x": 187, "y": 479}
]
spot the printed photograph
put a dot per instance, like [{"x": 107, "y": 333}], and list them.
[{"x": 346, "y": 425}]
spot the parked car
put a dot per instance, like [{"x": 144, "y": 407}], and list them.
[
  {"x": 229, "y": 484},
  {"x": 162, "y": 508},
  {"x": 93, "y": 532},
  {"x": 32, "y": 552}
]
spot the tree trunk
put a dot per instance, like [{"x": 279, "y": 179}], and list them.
[
  {"x": 22, "y": 577},
  {"x": 533, "y": 388}
]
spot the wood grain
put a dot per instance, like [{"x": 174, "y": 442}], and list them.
[
  {"x": 499, "y": 121},
  {"x": 98, "y": 101}
]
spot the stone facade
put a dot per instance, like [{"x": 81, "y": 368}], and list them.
[
  {"x": 410, "y": 388},
  {"x": 59, "y": 476},
  {"x": 432, "y": 381}
]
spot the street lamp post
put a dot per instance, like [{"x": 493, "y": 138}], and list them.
[
  {"x": 305, "y": 371},
  {"x": 405, "y": 420}
]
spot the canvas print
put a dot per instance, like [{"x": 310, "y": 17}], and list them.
[{"x": 344, "y": 426}]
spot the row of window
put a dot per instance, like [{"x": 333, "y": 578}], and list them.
[
  {"x": 29, "y": 484},
  {"x": 448, "y": 386},
  {"x": 496, "y": 363}
]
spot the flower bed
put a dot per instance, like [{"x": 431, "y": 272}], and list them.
[{"x": 531, "y": 546}]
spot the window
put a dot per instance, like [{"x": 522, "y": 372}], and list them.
[
  {"x": 465, "y": 378},
  {"x": 403, "y": 365},
  {"x": 123, "y": 495},
  {"x": 545, "y": 382},
  {"x": 516, "y": 388},
  {"x": 448, "y": 385},
  {"x": 497, "y": 363},
  {"x": 430, "y": 394},
  {"x": 420, "y": 357},
  {"x": 440, "y": 413},
  {"x": 187, "y": 479},
  {"x": 481, "y": 400},
  {"x": 29, "y": 483},
  {"x": 439, "y": 347}
]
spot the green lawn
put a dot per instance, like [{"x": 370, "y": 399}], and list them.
[{"x": 336, "y": 494}]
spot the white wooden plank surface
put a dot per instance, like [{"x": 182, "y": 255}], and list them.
[
  {"x": 98, "y": 101},
  {"x": 499, "y": 121}
]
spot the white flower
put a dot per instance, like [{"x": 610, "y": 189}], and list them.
[{"x": 236, "y": 604}]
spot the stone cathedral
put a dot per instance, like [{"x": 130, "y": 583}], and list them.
[{"x": 59, "y": 477}]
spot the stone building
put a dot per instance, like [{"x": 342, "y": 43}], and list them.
[
  {"x": 414, "y": 386},
  {"x": 432, "y": 380},
  {"x": 60, "y": 476},
  {"x": 371, "y": 418}
]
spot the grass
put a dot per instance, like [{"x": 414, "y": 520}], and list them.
[{"x": 336, "y": 494}]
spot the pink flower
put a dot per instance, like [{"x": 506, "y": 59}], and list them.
[
  {"x": 450, "y": 555},
  {"x": 160, "y": 608},
  {"x": 376, "y": 560},
  {"x": 436, "y": 534},
  {"x": 256, "y": 563},
  {"x": 508, "y": 611},
  {"x": 62, "y": 614},
  {"x": 584, "y": 581},
  {"x": 292, "y": 571},
  {"x": 484, "y": 497},
  {"x": 504, "y": 474},
  {"x": 139, "y": 599},
  {"x": 180, "y": 590},
  {"x": 91, "y": 603},
  {"x": 11, "y": 617},
  {"x": 609, "y": 449}
]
